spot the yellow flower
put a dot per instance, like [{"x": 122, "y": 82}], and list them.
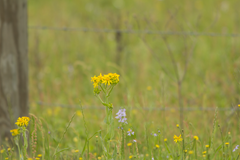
[
  {"x": 195, "y": 137},
  {"x": 30, "y": 159},
  {"x": 76, "y": 151},
  {"x": 204, "y": 155},
  {"x": 2, "y": 151},
  {"x": 157, "y": 146},
  {"x": 100, "y": 77},
  {"x": 165, "y": 139},
  {"x": 39, "y": 155},
  {"x": 107, "y": 80},
  {"x": 75, "y": 139},
  {"x": 147, "y": 155},
  {"x": 99, "y": 158},
  {"x": 177, "y": 125},
  {"x": 114, "y": 77},
  {"x": 185, "y": 151},
  {"x": 6, "y": 158},
  {"x": 204, "y": 152},
  {"x": 129, "y": 144},
  {"x": 22, "y": 121},
  {"x": 37, "y": 158},
  {"x": 130, "y": 157},
  {"x": 227, "y": 143},
  {"x": 9, "y": 149},
  {"x": 149, "y": 88},
  {"x": 190, "y": 152},
  {"x": 79, "y": 113},
  {"x": 177, "y": 139},
  {"x": 95, "y": 81},
  {"x": 80, "y": 158},
  {"x": 207, "y": 146},
  {"x": 14, "y": 132},
  {"x": 239, "y": 105}
]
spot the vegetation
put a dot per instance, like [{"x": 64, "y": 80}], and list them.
[{"x": 163, "y": 79}]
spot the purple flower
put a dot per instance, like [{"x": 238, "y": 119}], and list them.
[
  {"x": 135, "y": 140},
  {"x": 235, "y": 148},
  {"x": 155, "y": 135},
  {"x": 130, "y": 132},
  {"x": 121, "y": 116}
]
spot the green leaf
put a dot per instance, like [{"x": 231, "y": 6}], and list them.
[
  {"x": 60, "y": 151},
  {"x": 218, "y": 148}
]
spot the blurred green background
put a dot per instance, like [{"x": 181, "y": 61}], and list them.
[{"x": 61, "y": 63}]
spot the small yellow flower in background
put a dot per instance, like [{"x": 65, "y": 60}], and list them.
[
  {"x": 190, "y": 152},
  {"x": 6, "y": 158},
  {"x": 76, "y": 151},
  {"x": 165, "y": 139},
  {"x": 79, "y": 113},
  {"x": 204, "y": 152},
  {"x": 207, "y": 146},
  {"x": 37, "y": 158},
  {"x": 149, "y": 88},
  {"x": 95, "y": 154},
  {"x": 196, "y": 137},
  {"x": 80, "y": 158},
  {"x": 147, "y": 155},
  {"x": 99, "y": 158},
  {"x": 130, "y": 157},
  {"x": 30, "y": 159},
  {"x": 204, "y": 156},
  {"x": 134, "y": 111},
  {"x": 239, "y": 105},
  {"x": 75, "y": 139},
  {"x": 9, "y": 149},
  {"x": 14, "y": 132},
  {"x": 177, "y": 125},
  {"x": 177, "y": 139},
  {"x": 157, "y": 146},
  {"x": 227, "y": 143},
  {"x": 229, "y": 133},
  {"x": 129, "y": 144},
  {"x": 49, "y": 112},
  {"x": 39, "y": 155},
  {"x": 185, "y": 151}
]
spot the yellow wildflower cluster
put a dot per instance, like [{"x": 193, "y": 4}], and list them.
[
  {"x": 177, "y": 139},
  {"x": 14, "y": 132},
  {"x": 22, "y": 121},
  {"x": 110, "y": 78}
]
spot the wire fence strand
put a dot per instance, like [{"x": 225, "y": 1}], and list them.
[
  {"x": 156, "y": 108},
  {"x": 130, "y": 31}
]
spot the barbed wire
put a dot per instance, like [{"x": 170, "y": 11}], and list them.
[
  {"x": 140, "y": 108},
  {"x": 130, "y": 31}
]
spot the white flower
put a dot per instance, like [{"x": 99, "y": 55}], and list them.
[{"x": 121, "y": 115}]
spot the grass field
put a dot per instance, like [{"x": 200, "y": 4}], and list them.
[{"x": 156, "y": 71}]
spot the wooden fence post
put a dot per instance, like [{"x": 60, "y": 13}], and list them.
[{"x": 13, "y": 63}]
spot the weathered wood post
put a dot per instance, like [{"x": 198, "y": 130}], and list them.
[{"x": 13, "y": 63}]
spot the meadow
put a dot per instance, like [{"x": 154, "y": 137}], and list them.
[{"x": 166, "y": 71}]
